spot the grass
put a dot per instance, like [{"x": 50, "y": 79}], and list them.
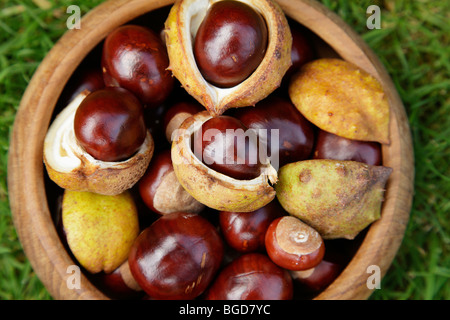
[{"x": 413, "y": 43}]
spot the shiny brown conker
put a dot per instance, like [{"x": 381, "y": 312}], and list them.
[
  {"x": 302, "y": 49},
  {"x": 225, "y": 145},
  {"x": 159, "y": 166},
  {"x": 85, "y": 78},
  {"x": 252, "y": 276},
  {"x": 230, "y": 43},
  {"x": 294, "y": 137},
  {"x": 154, "y": 122},
  {"x": 118, "y": 284},
  {"x": 109, "y": 124},
  {"x": 135, "y": 58},
  {"x": 321, "y": 276},
  {"x": 294, "y": 245},
  {"x": 246, "y": 231},
  {"x": 176, "y": 257},
  {"x": 331, "y": 146},
  {"x": 160, "y": 190}
]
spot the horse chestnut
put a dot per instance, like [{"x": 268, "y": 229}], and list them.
[
  {"x": 252, "y": 276},
  {"x": 295, "y": 137},
  {"x": 86, "y": 78},
  {"x": 176, "y": 257},
  {"x": 294, "y": 245},
  {"x": 302, "y": 48},
  {"x": 177, "y": 113},
  {"x": 118, "y": 284},
  {"x": 135, "y": 58},
  {"x": 225, "y": 145},
  {"x": 246, "y": 231},
  {"x": 230, "y": 43},
  {"x": 160, "y": 190},
  {"x": 109, "y": 124},
  {"x": 321, "y": 276},
  {"x": 331, "y": 146}
]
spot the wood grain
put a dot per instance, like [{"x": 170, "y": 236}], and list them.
[{"x": 31, "y": 214}]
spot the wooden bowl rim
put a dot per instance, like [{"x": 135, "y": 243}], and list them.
[{"x": 31, "y": 215}]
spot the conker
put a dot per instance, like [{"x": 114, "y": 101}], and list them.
[
  {"x": 160, "y": 190},
  {"x": 118, "y": 284},
  {"x": 159, "y": 166},
  {"x": 302, "y": 49},
  {"x": 154, "y": 121},
  {"x": 252, "y": 276},
  {"x": 331, "y": 146},
  {"x": 109, "y": 124},
  {"x": 177, "y": 113},
  {"x": 176, "y": 257},
  {"x": 225, "y": 145},
  {"x": 135, "y": 58},
  {"x": 294, "y": 245},
  {"x": 294, "y": 140},
  {"x": 246, "y": 231},
  {"x": 321, "y": 276},
  {"x": 230, "y": 43},
  {"x": 85, "y": 78}
]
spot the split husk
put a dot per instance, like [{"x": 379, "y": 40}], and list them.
[
  {"x": 180, "y": 28},
  {"x": 72, "y": 168},
  {"x": 212, "y": 188}
]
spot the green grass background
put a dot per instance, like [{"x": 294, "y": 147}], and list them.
[{"x": 413, "y": 43}]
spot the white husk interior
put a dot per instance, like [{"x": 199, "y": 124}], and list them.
[
  {"x": 60, "y": 138},
  {"x": 193, "y": 13},
  {"x": 61, "y": 148}
]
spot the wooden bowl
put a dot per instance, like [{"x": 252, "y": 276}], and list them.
[{"x": 27, "y": 192}]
